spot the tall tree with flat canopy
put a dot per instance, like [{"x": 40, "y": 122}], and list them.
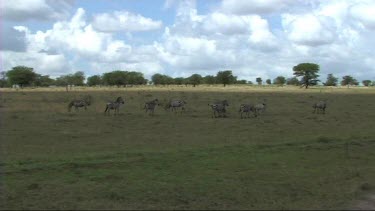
[
  {"x": 21, "y": 75},
  {"x": 308, "y": 72},
  {"x": 225, "y": 77}
]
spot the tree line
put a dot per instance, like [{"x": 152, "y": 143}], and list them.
[{"x": 305, "y": 75}]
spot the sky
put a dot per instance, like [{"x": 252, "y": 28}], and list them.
[{"x": 253, "y": 38}]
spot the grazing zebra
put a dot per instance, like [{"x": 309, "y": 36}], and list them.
[
  {"x": 175, "y": 104},
  {"x": 320, "y": 107},
  {"x": 218, "y": 107},
  {"x": 79, "y": 103},
  {"x": 150, "y": 106},
  {"x": 260, "y": 107},
  {"x": 114, "y": 106},
  {"x": 246, "y": 109}
]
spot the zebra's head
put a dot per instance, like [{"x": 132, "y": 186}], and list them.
[
  {"x": 120, "y": 100},
  {"x": 88, "y": 99},
  {"x": 225, "y": 103}
]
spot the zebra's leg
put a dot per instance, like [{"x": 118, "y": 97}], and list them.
[{"x": 106, "y": 109}]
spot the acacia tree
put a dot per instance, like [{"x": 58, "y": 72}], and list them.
[
  {"x": 209, "y": 79},
  {"x": 293, "y": 81},
  {"x": 331, "y": 80},
  {"x": 279, "y": 80},
  {"x": 348, "y": 80},
  {"x": 195, "y": 79},
  {"x": 43, "y": 80},
  {"x": 94, "y": 80},
  {"x": 308, "y": 72},
  {"x": 225, "y": 77},
  {"x": 3, "y": 79},
  {"x": 366, "y": 82},
  {"x": 178, "y": 80},
  {"x": 268, "y": 81},
  {"x": 259, "y": 80},
  {"x": 21, "y": 75}
]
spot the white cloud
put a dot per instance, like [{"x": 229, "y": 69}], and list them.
[
  {"x": 21, "y": 10},
  {"x": 53, "y": 65},
  {"x": 124, "y": 21},
  {"x": 364, "y": 12},
  {"x": 254, "y": 6},
  {"x": 252, "y": 38},
  {"x": 309, "y": 29}
]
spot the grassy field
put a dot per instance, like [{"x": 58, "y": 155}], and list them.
[{"x": 287, "y": 158}]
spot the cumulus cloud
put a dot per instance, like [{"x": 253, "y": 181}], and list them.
[
  {"x": 309, "y": 29},
  {"x": 21, "y": 10},
  {"x": 124, "y": 21},
  {"x": 53, "y": 65},
  {"x": 252, "y": 38}
]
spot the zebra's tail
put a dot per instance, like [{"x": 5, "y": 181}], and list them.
[{"x": 70, "y": 106}]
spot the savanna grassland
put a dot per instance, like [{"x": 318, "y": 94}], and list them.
[{"x": 286, "y": 158}]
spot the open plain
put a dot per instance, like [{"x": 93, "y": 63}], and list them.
[{"x": 286, "y": 158}]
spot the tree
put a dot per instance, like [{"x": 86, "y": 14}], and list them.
[
  {"x": 21, "y": 75},
  {"x": 280, "y": 80},
  {"x": 241, "y": 82},
  {"x": 348, "y": 80},
  {"x": 331, "y": 80},
  {"x": 225, "y": 77},
  {"x": 308, "y": 72},
  {"x": 178, "y": 80},
  {"x": 94, "y": 80},
  {"x": 195, "y": 79},
  {"x": 209, "y": 79},
  {"x": 115, "y": 78},
  {"x": 77, "y": 79},
  {"x": 3, "y": 79},
  {"x": 43, "y": 80},
  {"x": 159, "y": 79},
  {"x": 366, "y": 82},
  {"x": 135, "y": 78},
  {"x": 268, "y": 81},
  {"x": 259, "y": 80},
  {"x": 293, "y": 81}
]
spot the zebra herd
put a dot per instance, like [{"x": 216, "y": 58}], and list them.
[{"x": 218, "y": 107}]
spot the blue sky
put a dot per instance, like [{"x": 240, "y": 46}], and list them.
[{"x": 254, "y": 38}]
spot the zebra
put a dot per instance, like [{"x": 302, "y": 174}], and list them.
[
  {"x": 247, "y": 108},
  {"x": 79, "y": 103},
  {"x": 218, "y": 107},
  {"x": 260, "y": 107},
  {"x": 320, "y": 107},
  {"x": 150, "y": 106},
  {"x": 114, "y": 106},
  {"x": 175, "y": 104}
]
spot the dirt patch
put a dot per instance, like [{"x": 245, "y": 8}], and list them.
[{"x": 367, "y": 203}]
